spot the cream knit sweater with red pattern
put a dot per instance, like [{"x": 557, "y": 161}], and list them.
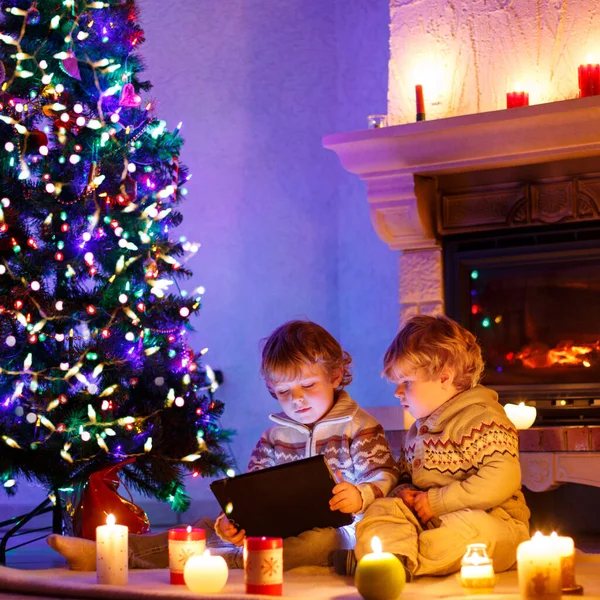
[
  {"x": 347, "y": 436},
  {"x": 466, "y": 455}
]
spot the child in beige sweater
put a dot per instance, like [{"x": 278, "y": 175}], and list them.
[{"x": 460, "y": 479}]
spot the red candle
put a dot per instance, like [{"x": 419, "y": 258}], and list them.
[
  {"x": 516, "y": 99},
  {"x": 183, "y": 543},
  {"x": 589, "y": 80},
  {"x": 420, "y": 103},
  {"x": 263, "y": 565}
]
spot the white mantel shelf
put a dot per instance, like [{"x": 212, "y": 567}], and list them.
[{"x": 388, "y": 159}]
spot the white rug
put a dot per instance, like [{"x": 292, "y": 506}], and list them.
[{"x": 312, "y": 583}]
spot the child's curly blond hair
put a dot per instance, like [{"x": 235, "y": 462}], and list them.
[
  {"x": 432, "y": 344},
  {"x": 298, "y": 343}
]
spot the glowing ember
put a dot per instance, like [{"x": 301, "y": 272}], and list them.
[{"x": 565, "y": 353}]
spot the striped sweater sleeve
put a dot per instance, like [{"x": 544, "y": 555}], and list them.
[
  {"x": 263, "y": 455},
  {"x": 375, "y": 469}
]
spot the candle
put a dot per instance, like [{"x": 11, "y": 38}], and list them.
[
  {"x": 521, "y": 415},
  {"x": 477, "y": 571},
  {"x": 263, "y": 565},
  {"x": 538, "y": 565},
  {"x": 111, "y": 553},
  {"x": 517, "y": 98},
  {"x": 420, "y": 103},
  {"x": 184, "y": 543},
  {"x": 589, "y": 79},
  {"x": 205, "y": 573},
  {"x": 565, "y": 546},
  {"x": 379, "y": 575}
]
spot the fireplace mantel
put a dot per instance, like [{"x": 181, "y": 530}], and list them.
[{"x": 399, "y": 163}]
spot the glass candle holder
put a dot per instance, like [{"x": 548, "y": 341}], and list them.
[
  {"x": 477, "y": 571},
  {"x": 377, "y": 121}
]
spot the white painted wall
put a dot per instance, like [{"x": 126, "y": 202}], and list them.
[{"x": 469, "y": 53}]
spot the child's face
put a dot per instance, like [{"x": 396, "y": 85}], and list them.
[
  {"x": 309, "y": 396},
  {"x": 421, "y": 396}
]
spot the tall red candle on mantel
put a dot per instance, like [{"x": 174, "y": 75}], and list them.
[
  {"x": 589, "y": 79},
  {"x": 420, "y": 103},
  {"x": 517, "y": 98}
]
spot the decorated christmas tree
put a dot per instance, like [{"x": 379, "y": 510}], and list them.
[{"x": 95, "y": 365}]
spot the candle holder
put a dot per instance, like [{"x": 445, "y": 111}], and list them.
[
  {"x": 377, "y": 121},
  {"x": 263, "y": 565},
  {"x": 521, "y": 415},
  {"x": 477, "y": 571},
  {"x": 183, "y": 544}
]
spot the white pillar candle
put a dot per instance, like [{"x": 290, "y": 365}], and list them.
[
  {"x": 205, "y": 574},
  {"x": 521, "y": 415},
  {"x": 538, "y": 564},
  {"x": 565, "y": 546},
  {"x": 111, "y": 553}
]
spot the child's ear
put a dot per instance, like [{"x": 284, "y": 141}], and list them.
[
  {"x": 336, "y": 377},
  {"x": 447, "y": 378}
]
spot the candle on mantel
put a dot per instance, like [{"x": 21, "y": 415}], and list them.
[
  {"x": 205, "y": 573},
  {"x": 517, "y": 98},
  {"x": 589, "y": 78},
  {"x": 420, "y": 103},
  {"x": 521, "y": 415},
  {"x": 477, "y": 571},
  {"x": 111, "y": 553},
  {"x": 379, "y": 575},
  {"x": 183, "y": 543},
  {"x": 538, "y": 566}
]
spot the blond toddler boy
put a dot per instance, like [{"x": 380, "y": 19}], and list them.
[{"x": 460, "y": 478}]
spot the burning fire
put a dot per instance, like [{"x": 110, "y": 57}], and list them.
[{"x": 566, "y": 353}]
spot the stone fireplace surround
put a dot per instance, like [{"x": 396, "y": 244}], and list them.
[{"x": 534, "y": 166}]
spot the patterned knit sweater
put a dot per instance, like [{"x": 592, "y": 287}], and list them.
[
  {"x": 350, "y": 439},
  {"x": 466, "y": 455}
]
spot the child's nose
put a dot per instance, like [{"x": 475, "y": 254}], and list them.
[{"x": 399, "y": 393}]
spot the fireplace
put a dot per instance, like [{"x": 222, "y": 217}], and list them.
[
  {"x": 531, "y": 297},
  {"x": 497, "y": 217}
]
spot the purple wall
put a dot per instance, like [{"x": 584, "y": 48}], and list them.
[{"x": 285, "y": 231}]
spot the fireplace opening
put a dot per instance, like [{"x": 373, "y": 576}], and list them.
[{"x": 532, "y": 298}]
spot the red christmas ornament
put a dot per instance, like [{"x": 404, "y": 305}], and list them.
[
  {"x": 100, "y": 498},
  {"x": 34, "y": 140}
]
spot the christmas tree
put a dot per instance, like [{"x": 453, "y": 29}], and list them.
[{"x": 95, "y": 366}]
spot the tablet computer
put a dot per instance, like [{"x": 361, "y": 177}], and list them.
[{"x": 281, "y": 501}]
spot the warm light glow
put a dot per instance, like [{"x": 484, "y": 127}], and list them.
[
  {"x": 189, "y": 529},
  {"x": 376, "y": 545},
  {"x": 110, "y": 519},
  {"x": 521, "y": 415}
]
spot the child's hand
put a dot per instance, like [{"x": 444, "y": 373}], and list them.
[
  {"x": 422, "y": 507},
  {"x": 408, "y": 496},
  {"x": 228, "y": 532},
  {"x": 346, "y": 497}
]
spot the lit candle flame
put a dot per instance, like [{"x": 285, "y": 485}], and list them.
[
  {"x": 206, "y": 552},
  {"x": 518, "y": 87},
  {"x": 110, "y": 519},
  {"x": 376, "y": 545},
  {"x": 189, "y": 529}
]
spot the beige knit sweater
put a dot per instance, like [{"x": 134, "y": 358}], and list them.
[
  {"x": 348, "y": 437},
  {"x": 466, "y": 455}
]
